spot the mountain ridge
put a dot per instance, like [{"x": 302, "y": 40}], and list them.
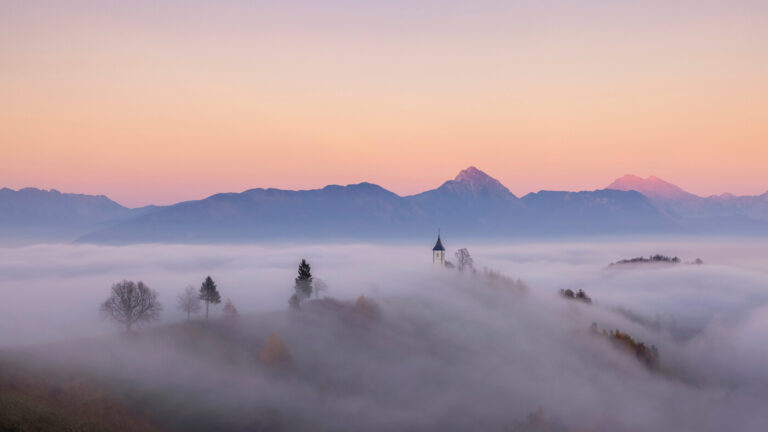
[{"x": 471, "y": 204}]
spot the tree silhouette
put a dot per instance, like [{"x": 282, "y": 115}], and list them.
[
  {"x": 274, "y": 353},
  {"x": 189, "y": 302},
  {"x": 303, "y": 285},
  {"x": 130, "y": 303},
  {"x": 209, "y": 294},
  {"x": 464, "y": 260},
  {"x": 231, "y": 315}
]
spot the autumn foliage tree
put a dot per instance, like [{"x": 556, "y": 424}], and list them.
[
  {"x": 649, "y": 356},
  {"x": 365, "y": 307},
  {"x": 275, "y": 353},
  {"x": 130, "y": 303},
  {"x": 231, "y": 315}
]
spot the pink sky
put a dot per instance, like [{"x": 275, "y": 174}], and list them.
[{"x": 157, "y": 102}]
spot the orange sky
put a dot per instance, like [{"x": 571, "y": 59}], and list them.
[{"x": 157, "y": 102}]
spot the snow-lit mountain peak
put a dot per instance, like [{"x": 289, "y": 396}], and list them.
[
  {"x": 476, "y": 180},
  {"x": 650, "y": 186}
]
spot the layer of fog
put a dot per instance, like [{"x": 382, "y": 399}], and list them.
[
  {"x": 53, "y": 291},
  {"x": 464, "y": 356}
]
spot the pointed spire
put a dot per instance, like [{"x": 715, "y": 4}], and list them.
[{"x": 439, "y": 244}]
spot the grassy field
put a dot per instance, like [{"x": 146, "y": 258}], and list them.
[{"x": 35, "y": 399}]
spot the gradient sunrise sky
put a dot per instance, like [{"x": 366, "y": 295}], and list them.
[{"x": 163, "y": 101}]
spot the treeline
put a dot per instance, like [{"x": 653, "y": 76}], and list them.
[
  {"x": 466, "y": 264},
  {"x": 655, "y": 259},
  {"x": 578, "y": 295},
  {"x": 134, "y": 303},
  {"x": 648, "y": 355}
]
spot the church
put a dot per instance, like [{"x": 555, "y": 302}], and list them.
[{"x": 438, "y": 252}]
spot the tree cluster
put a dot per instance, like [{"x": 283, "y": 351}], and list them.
[
  {"x": 650, "y": 260},
  {"x": 578, "y": 295},
  {"x": 649, "y": 356},
  {"x": 132, "y": 303}
]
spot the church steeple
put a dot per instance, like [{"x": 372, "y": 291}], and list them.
[{"x": 438, "y": 252}]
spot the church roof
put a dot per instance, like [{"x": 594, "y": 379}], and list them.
[{"x": 438, "y": 245}]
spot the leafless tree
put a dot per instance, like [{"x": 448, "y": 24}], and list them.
[
  {"x": 189, "y": 302},
  {"x": 130, "y": 303},
  {"x": 463, "y": 260}
]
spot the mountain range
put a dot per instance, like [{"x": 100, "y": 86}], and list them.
[{"x": 473, "y": 204}]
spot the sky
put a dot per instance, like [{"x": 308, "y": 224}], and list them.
[{"x": 162, "y": 101}]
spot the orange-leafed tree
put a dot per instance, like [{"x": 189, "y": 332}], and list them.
[
  {"x": 231, "y": 315},
  {"x": 365, "y": 307},
  {"x": 275, "y": 353}
]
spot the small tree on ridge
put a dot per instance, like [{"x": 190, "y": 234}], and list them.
[
  {"x": 209, "y": 294},
  {"x": 189, "y": 302},
  {"x": 130, "y": 303},
  {"x": 464, "y": 260},
  {"x": 303, "y": 285}
]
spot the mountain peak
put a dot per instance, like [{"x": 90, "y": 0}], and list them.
[
  {"x": 477, "y": 179},
  {"x": 651, "y": 186},
  {"x": 473, "y": 181}
]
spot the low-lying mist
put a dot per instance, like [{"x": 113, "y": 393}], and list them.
[{"x": 429, "y": 348}]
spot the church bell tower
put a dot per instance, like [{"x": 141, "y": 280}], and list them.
[{"x": 438, "y": 252}]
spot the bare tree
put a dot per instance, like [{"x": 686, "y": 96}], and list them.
[
  {"x": 189, "y": 302},
  {"x": 130, "y": 303},
  {"x": 463, "y": 260}
]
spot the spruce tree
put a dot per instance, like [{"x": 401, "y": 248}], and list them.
[
  {"x": 303, "y": 286},
  {"x": 209, "y": 294}
]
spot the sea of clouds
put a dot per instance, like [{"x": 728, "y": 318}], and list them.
[{"x": 466, "y": 355}]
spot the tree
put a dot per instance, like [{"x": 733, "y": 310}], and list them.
[
  {"x": 130, "y": 303},
  {"x": 303, "y": 285},
  {"x": 189, "y": 302},
  {"x": 231, "y": 315},
  {"x": 274, "y": 353},
  {"x": 366, "y": 307},
  {"x": 463, "y": 260},
  {"x": 209, "y": 294}
]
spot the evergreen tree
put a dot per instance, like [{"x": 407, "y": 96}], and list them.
[
  {"x": 303, "y": 285},
  {"x": 209, "y": 294}
]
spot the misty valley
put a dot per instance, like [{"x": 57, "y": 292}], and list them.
[{"x": 540, "y": 336}]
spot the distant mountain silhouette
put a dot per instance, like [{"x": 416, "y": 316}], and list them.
[
  {"x": 52, "y": 215},
  {"x": 652, "y": 187},
  {"x": 595, "y": 212},
  {"x": 726, "y": 208},
  {"x": 362, "y": 210},
  {"x": 473, "y": 199},
  {"x": 473, "y": 204}
]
